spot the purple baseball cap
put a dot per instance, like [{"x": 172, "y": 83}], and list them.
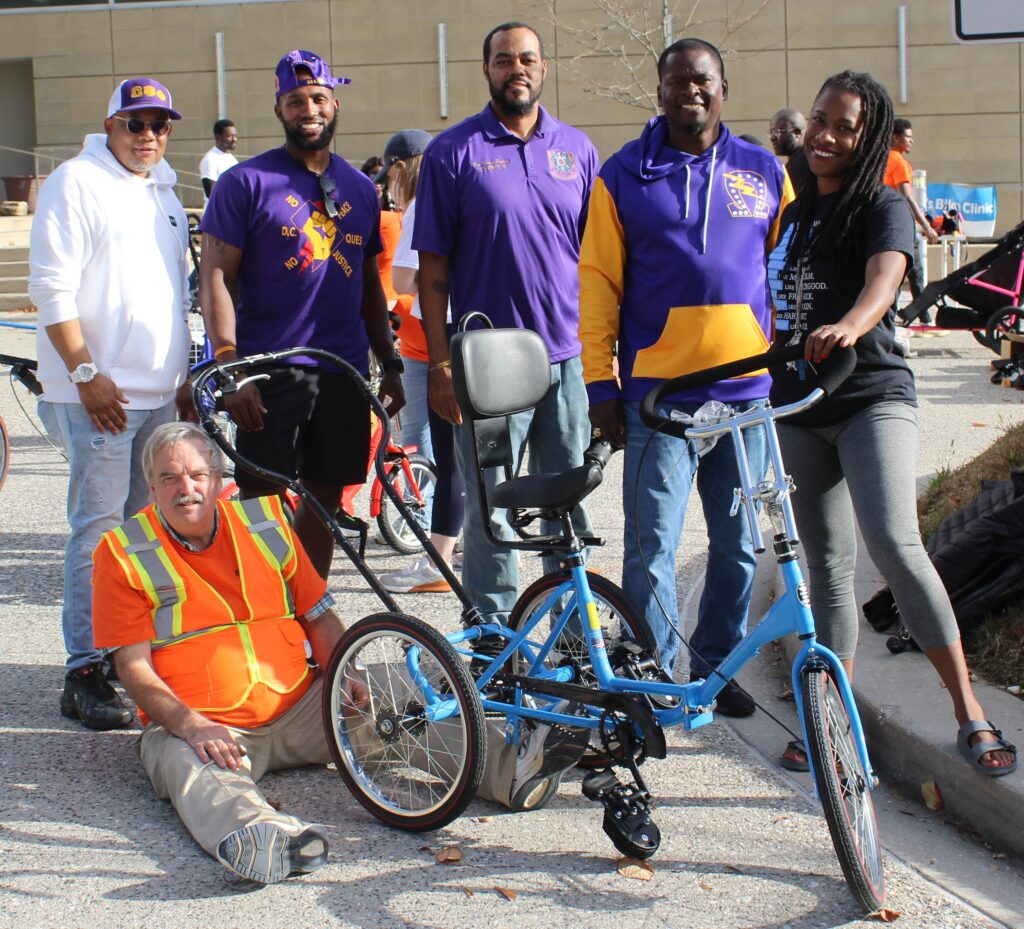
[
  {"x": 286, "y": 77},
  {"x": 141, "y": 93}
]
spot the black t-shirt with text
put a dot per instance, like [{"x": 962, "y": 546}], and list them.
[{"x": 823, "y": 293}]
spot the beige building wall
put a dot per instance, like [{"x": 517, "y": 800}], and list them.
[{"x": 965, "y": 101}]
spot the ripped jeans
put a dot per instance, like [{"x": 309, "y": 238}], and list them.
[{"x": 105, "y": 487}]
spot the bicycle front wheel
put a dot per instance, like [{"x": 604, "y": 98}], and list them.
[
  {"x": 404, "y": 722},
  {"x": 844, "y": 789},
  {"x": 417, "y": 492}
]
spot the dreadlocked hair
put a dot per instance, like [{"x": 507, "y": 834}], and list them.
[{"x": 840, "y": 228}]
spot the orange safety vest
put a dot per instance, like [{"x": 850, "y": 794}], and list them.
[{"x": 239, "y": 670}]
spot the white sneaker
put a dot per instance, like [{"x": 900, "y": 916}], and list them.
[
  {"x": 545, "y": 753},
  {"x": 420, "y": 577}
]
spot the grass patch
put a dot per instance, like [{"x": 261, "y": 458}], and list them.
[{"x": 995, "y": 647}]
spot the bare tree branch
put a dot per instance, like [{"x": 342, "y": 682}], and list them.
[{"x": 619, "y": 42}]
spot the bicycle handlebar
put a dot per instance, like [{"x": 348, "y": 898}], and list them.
[{"x": 832, "y": 372}]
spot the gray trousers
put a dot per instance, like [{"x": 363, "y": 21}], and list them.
[{"x": 864, "y": 467}]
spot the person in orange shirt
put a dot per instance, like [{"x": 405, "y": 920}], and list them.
[
  {"x": 219, "y": 671},
  {"x": 898, "y": 176},
  {"x": 219, "y": 621}
]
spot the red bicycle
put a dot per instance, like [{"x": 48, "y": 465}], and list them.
[{"x": 412, "y": 475}]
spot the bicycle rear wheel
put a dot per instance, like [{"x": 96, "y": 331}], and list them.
[
  {"x": 4, "y": 456},
  {"x": 620, "y": 621},
  {"x": 404, "y": 722},
  {"x": 843, "y": 789},
  {"x": 392, "y": 524}
]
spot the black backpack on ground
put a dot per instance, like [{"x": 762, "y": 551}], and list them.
[{"x": 978, "y": 552}]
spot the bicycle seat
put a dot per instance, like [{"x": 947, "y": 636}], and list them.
[{"x": 548, "y": 491}]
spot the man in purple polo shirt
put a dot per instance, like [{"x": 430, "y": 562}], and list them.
[
  {"x": 500, "y": 211},
  {"x": 296, "y": 230}
]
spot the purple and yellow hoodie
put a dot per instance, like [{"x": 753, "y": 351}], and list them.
[{"x": 673, "y": 265}]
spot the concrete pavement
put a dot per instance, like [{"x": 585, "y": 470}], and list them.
[{"x": 83, "y": 842}]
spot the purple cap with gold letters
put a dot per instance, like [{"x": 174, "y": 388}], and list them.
[
  {"x": 141, "y": 93},
  {"x": 286, "y": 77}
]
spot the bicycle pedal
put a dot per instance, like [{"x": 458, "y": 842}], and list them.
[{"x": 628, "y": 823}]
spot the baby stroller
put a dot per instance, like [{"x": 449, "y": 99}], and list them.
[{"x": 987, "y": 291}]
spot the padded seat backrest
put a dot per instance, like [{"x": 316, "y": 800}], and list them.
[{"x": 496, "y": 372}]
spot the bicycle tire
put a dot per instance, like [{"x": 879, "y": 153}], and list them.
[
  {"x": 409, "y": 772},
  {"x": 1008, "y": 319},
  {"x": 620, "y": 620},
  {"x": 5, "y": 458},
  {"x": 392, "y": 524},
  {"x": 843, "y": 789}
]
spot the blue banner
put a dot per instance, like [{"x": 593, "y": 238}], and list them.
[{"x": 977, "y": 205}]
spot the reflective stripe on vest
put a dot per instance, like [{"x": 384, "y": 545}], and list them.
[
  {"x": 162, "y": 582},
  {"x": 165, "y": 586}
]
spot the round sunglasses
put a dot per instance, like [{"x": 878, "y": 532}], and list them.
[{"x": 137, "y": 126}]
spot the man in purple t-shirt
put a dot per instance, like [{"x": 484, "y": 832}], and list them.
[
  {"x": 295, "y": 231},
  {"x": 500, "y": 210}
]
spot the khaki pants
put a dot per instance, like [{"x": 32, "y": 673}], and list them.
[{"x": 213, "y": 802}]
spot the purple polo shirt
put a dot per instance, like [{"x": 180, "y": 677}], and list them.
[
  {"x": 301, "y": 277},
  {"x": 509, "y": 217}
]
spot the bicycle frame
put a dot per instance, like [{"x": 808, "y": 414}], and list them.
[{"x": 790, "y": 614}]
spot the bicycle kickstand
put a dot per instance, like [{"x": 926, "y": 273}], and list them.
[{"x": 627, "y": 807}]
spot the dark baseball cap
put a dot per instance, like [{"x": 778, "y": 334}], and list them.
[
  {"x": 286, "y": 77},
  {"x": 141, "y": 93},
  {"x": 405, "y": 144}
]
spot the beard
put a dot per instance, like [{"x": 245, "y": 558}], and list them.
[
  {"x": 322, "y": 141},
  {"x": 515, "y": 106}
]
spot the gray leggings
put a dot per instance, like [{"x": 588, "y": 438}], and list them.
[{"x": 864, "y": 466}]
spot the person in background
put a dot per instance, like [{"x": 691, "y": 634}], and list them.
[
  {"x": 420, "y": 424},
  {"x": 786, "y": 133},
  {"x": 899, "y": 176},
  {"x": 219, "y": 158},
  {"x": 844, "y": 250}
]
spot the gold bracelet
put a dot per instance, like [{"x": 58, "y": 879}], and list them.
[
  {"x": 224, "y": 349},
  {"x": 447, "y": 363}
]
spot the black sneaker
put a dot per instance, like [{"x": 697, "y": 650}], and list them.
[
  {"x": 735, "y": 702},
  {"x": 89, "y": 697}
]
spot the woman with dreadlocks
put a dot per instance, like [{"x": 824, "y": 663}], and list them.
[{"x": 846, "y": 245}]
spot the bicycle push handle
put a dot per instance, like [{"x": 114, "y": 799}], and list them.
[{"x": 830, "y": 372}]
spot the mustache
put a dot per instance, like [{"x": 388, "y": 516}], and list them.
[{"x": 186, "y": 499}]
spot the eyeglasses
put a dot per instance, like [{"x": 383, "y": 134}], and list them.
[
  {"x": 327, "y": 187},
  {"x": 137, "y": 126}
]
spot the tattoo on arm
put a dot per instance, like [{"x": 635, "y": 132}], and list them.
[
  {"x": 440, "y": 287},
  {"x": 218, "y": 245}
]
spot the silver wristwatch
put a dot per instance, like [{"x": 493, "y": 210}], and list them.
[{"x": 84, "y": 373}]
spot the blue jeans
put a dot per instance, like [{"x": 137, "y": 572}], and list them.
[
  {"x": 106, "y": 487},
  {"x": 414, "y": 414},
  {"x": 655, "y": 494},
  {"x": 556, "y": 433}
]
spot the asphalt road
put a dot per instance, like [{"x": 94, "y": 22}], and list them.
[{"x": 84, "y": 843}]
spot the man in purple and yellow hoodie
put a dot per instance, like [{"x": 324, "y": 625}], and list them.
[{"x": 672, "y": 270}]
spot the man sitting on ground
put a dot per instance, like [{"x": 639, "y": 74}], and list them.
[{"x": 213, "y": 607}]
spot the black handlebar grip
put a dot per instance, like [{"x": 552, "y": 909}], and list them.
[
  {"x": 831, "y": 373},
  {"x": 599, "y": 453}
]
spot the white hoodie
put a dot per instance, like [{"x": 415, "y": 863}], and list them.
[{"x": 109, "y": 247}]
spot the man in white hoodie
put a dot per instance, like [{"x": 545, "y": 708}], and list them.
[{"x": 109, "y": 276}]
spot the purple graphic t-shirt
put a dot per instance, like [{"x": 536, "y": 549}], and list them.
[{"x": 301, "y": 278}]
